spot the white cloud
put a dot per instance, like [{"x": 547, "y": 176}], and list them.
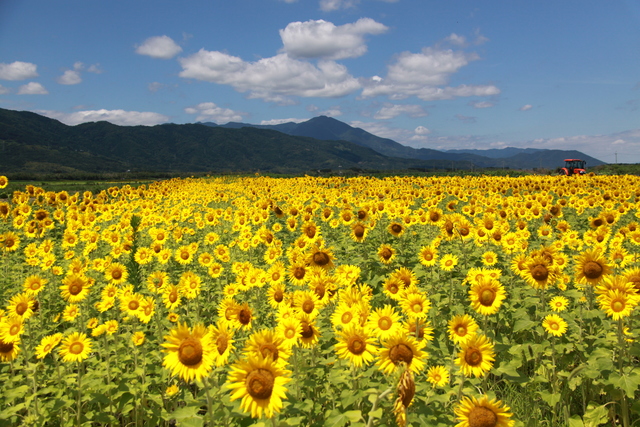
[
  {"x": 331, "y": 112},
  {"x": 18, "y": 70},
  {"x": 481, "y": 104},
  {"x": 208, "y": 111},
  {"x": 383, "y": 130},
  {"x": 422, "y": 74},
  {"x": 4, "y": 90},
  {"x": 32, "y": 88},
  {"x": 273, "y": 79},
  {"x": 117, "y": 117},
  {"x": 95, "y": 68},
  {"x": 526, "y": 107},
  {"x": 70, "y": 77},
  {"x": 330, "y": 5},
  {"x": 421, "y": 130},
  {"x": 155, "y": 86},
  {"x": 162, "y": 47},
  {"x": 281, "y": 121},
  {"x": 389, "y": 111},
  {"x": 456, "y": 39},
  {"x": 322, "y": 39}
]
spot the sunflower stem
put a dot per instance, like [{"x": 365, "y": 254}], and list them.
[
  {"x": 207, "y": 387},
  {"x": 79, "y": 403},
  {"x": 375, "y": 405},
  {"x": 621, "y": 354}
]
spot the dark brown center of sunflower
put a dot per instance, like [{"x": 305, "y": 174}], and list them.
[
  {"x": 133, "y": 305},
  {"x": 540, "y": 273},
  {"x": 393, "y": 288},
  {"x": 356, "y": 345},
  {"x": 401, "y": 353},
  {"x": 14, "y": 329},
  {"x": 75, "y": 288},
  {"x": 307, "y": 330},
  {"x": 554, "y": 326},
  {"x": 487, "y": 296},
  {"x": 461, "y": 331},
  {"x": 5, "y": 347},
  {"x": 308, "y": 306},
  {"x": 269, "y": 350},
  {"x": 358, "y": 231},
  {"x": 362, "y": 214},
  {"x": 76, "y": 348},
  {"x": 184, "y": 255},
  {"x": 482, "y": 417},
  {"x": 116, "y": 274},
  {"x": 260, "y": 383},
  {"x": 190, "y": 351},
  {"x": 592, "y": 270},
  {"x": 310, "y": 232},
  {"x": 21, "y": 307},
  {"x": 473, "y": 357},
  {"x": 321, "y": 259},
  {"x": 396, "y": 228},
  {"x": 386, "y": 254},
  {"x": 278, "y": 296},
  {"x": 448, "y": 227},
  {"x": 598, "y": 222},
  {"x": 299, "y": 273},
  {"x": 319, "y": 290},
  {"x": 173, "y": 296},
  {"x": 385, "y": 323},
  {"x": 244, "y": 316},
  {"x": 434, "y": 216}
]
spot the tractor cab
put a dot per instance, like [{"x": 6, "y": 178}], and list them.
[{"x": 573, "y": 167}]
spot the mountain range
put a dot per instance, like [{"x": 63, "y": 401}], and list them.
[{"x": 30, "y": 142}]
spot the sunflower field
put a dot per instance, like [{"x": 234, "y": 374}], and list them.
[{"x": 424, "y": 301}]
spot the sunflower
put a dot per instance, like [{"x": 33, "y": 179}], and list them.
[
  {"x": 319, "y": 256},
  {"x": 355, "y": 345},
  {"x": 75, "y": 347},
  {"x": 116, "y": 273},
  {"x": 131, "y": 304},
  {"x": 476, "y": 356},
  {"x": 138, "y": 338},
  {"x": 260, "y": 383},
  {"x": 189, "y": 352},
  {"x": 33, "y": 284},
  {"x": 8, "y": 351},
  {"x": 448, "y": 262},
  {"x": 290, "y": 329},
  {"x": 461, "y": 328},
  {"x": 309, "y": 332},
  {"x": 21, "y": 305},
  {"x": 558, "y": 303},
  {"x": 386, "y": 253},
  {"x": 486, "y": 296},
  {"x": 396, "y": 229},
  {"x": 384, "y": 322},
  {"x": 438, "y": 376},
  {"x": 11, "y": 328},
  {"x": 555, "y": 325},
  {"x": 171, "y": 297},
  {"x": 617, "y": 304},
  {"x": 75, "y": 288},
  {"x": 483, "y": 413},
  {"x": 415, "y": 305},
  {"x": 591, "y": 267},
  {"x": 307, "y": 302},
  {"x": 489, "y": 258},
  {"x": 222, "y": 340},
  {"x": 243, "y": 316},
  {"x": 157, "y": 281},
  {"x": 345, "y": 314},
  {"x": 539, "y": 272},
  {"x": 269, "y": 344},
  {"x": 401, "y": 350},
  {"x": 359, "y": 232},
  {"x": 428, "y": 255},
  {"x": 70, "y": 312},
  {"x": 47, "y": 344}
]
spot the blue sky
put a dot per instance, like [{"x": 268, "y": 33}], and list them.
[{"x": 437, "y": 74}]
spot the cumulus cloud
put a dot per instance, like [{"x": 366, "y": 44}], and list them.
[
  {"x": 526, "y": 107},
  {"x": 32, "y": 88},
  {"x": 18, "y": 70},
  {"x": 70, "y": 77},
  {"x": 281, "y": 121},
  {"x": 117, "y": 117},
  {"x": 389, "y": 111},
  {"x": 330, "y": 5},
  {"x": 208, "y": 111},
  {"x": 481, "y": 104},
  {"x": 421, "y": 130},
  {"x": 423, "y": 75},
  {"x": 95, "y": 68},
  {"x": 322, "y": 39},
  {"x": 272, "y": 79},
  {"x": 162, "y": 47},
  {"x": 456, "y": 39},
  {"x": 4, "y": 90}
]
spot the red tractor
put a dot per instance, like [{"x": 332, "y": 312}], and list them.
[{"x": 573, "y": 167}]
